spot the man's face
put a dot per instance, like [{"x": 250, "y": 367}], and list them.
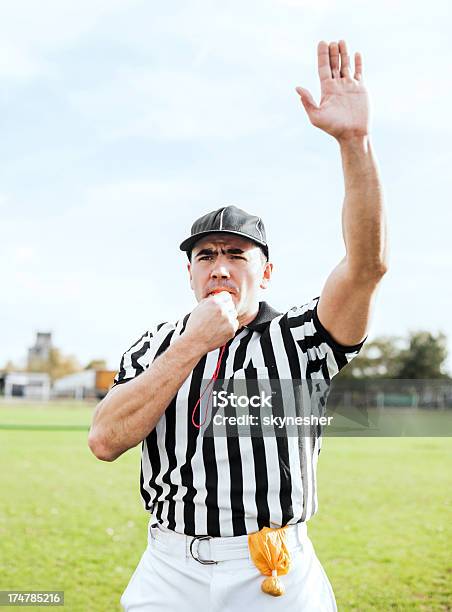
[{"x": 231, "y": 263}]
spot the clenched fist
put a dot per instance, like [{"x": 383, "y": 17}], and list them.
[{"x": 213, "y": 322}]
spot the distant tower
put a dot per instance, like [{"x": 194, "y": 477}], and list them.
[{"x": 40, "y": 351}]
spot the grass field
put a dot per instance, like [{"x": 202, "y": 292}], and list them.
[{"x": 70, "y": 522}]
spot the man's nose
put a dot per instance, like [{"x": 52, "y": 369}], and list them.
[{"x": 220, "y": 270}]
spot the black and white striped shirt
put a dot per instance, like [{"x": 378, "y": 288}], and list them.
[{"x": 229, "y": 486}]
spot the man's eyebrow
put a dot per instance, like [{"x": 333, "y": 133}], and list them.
[
  {"x": 231, "y": 251},
  {"x": 205, "y": 252}
]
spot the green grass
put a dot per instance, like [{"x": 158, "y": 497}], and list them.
[{"x": 70, "y": 522}]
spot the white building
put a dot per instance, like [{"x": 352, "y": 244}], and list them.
[
  {"x": 29, "y": 385},
  {"x": 84, "y": 384}
]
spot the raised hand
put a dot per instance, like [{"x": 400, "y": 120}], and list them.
[{"x": 343, "y": 111}]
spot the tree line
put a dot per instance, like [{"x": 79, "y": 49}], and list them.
[{"x": 420, "y": 356}]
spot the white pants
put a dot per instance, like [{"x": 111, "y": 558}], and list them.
[{"x": 169, "y": 579}]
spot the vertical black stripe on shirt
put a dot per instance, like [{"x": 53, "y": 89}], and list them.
[
  {"x": 170, "y": 444},
  {"x": 313, "y": 366},
  {"x": 259, "y": 460},
  {"x": 233, "y": 447},
  {"x": 154, "y": 461},
  {"x": 211, "y": 474},
  {"x": 170, "y": 447},
  {"x": 159, "y": 511},
  {"x": 304, "y": 453},
  {"x": 291, "y": 349},
  {"x": 211, "y": 469},
  {"x": 151, "y": 439},
  {"x": 156, "y": 466},
  {"x": 147, "y": 499},
  {"x": 186, "y": 470},
  {"x": 240, "y": 353},
  {"x": 285, "y": 491},
  {"x": 153, "y": 455},
  {"x": 260, "y": 463},
  {"x": 299, "y": 382}
]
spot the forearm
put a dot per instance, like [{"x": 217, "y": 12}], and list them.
[
  {"x": 363, "y": 217},
  {"x": 131, "y": 410}
]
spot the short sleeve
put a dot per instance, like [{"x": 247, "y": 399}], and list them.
[
  {"x": 320, "y": 355},
  {"x": 135, "y": 360}
]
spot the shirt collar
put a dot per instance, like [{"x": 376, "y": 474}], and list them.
[{"x": 264, "y": 315}]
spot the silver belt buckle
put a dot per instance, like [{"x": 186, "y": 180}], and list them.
[{"x": 196, "y": 558}]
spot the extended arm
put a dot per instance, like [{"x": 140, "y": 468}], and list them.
[
  {"x": 346, "y": 300},
  {"x": 130, "y": 411}
]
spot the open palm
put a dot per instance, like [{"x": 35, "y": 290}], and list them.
[{"x": 344, "y": 106}]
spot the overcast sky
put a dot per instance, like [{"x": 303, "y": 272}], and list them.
[{"x": 122, "y": 121}]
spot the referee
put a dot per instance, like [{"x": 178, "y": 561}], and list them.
[{"x": 228, "y": 510}]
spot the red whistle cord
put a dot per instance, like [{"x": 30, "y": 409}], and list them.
[{"x": 212, "y": 380}]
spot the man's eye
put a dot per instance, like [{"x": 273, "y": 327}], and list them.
[
  {"x": 237, "y": 257},
  {"x": 205, "y": 257}
]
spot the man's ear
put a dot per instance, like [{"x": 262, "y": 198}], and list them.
[{"x": 266, "y": 275}]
